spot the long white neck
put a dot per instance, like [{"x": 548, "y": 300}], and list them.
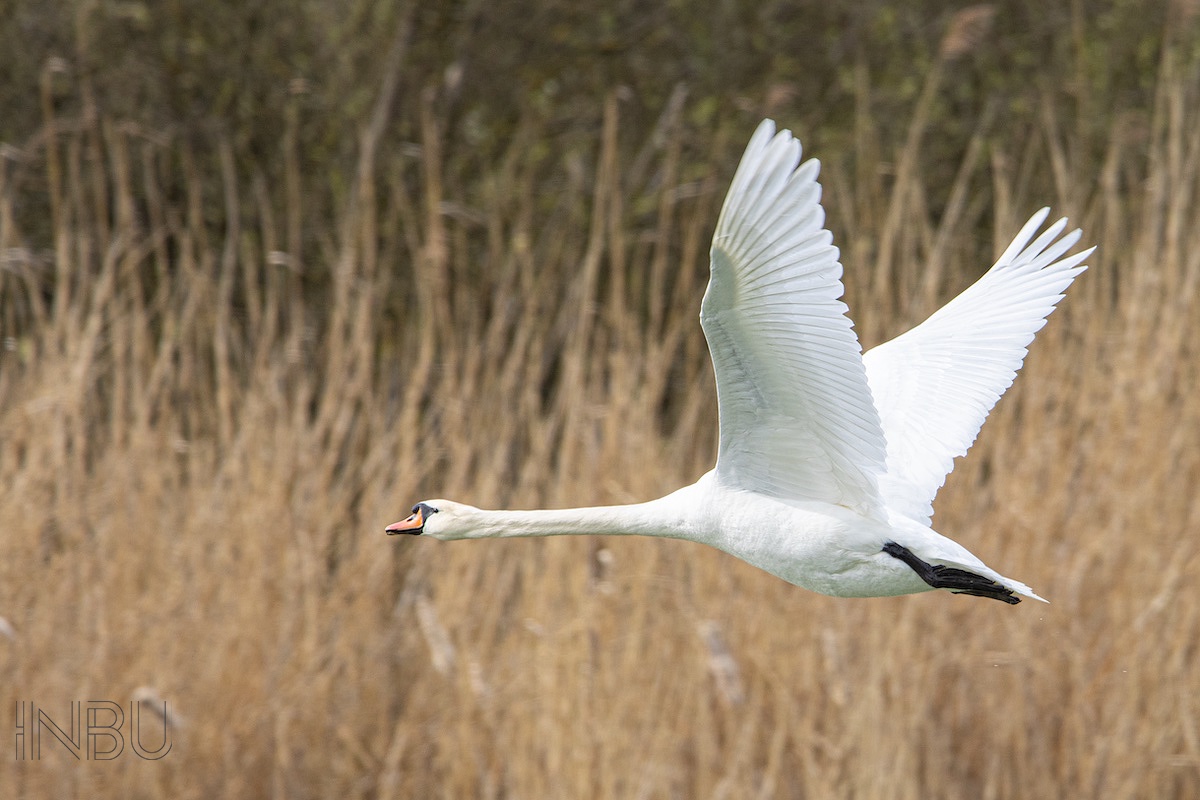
[{"x": 669, "y": 516}]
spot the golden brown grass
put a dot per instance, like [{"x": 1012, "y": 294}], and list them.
[{"x": 198, "y": 461}]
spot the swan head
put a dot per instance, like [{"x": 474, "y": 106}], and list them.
[{"x": 441, "y": 519}]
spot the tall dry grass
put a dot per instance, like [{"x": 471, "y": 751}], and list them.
[{"x": 198, "y": 458}]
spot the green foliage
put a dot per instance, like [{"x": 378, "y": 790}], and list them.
[{"x": 189, "y": 67}]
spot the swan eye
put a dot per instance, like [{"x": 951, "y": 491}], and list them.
[{"x": 424, "y": 509}]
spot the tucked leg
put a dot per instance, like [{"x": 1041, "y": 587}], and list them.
[{"x": 958, "y": 581}]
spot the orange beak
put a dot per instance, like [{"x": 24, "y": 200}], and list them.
[{"x": 414, "y": 524}]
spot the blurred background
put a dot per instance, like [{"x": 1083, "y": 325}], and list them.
[{"x": 270, "y": 273}]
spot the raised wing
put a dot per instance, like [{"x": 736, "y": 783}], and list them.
[
  {"x": 935, "y": 384},
  {"x": 797, "y": 419}
]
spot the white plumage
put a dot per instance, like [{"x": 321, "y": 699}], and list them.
[{"x": 829, "y": 460}]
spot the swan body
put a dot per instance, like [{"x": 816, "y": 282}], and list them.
[{"x": 828, "y": 459}]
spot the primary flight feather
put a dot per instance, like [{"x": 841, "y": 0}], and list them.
[{"x": 829, "y": 459}]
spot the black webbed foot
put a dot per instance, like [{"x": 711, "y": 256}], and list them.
[{"x": 958, "y": 581}]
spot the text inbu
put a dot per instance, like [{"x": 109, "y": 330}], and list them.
[{"x": 94, "y": 732}]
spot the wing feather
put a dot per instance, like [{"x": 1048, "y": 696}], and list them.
[
  {"x": 797, "y": 420},
  {"x": 935, "y": 385}
]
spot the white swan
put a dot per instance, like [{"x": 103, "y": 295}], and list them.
[{"x": 828, "y": 460}]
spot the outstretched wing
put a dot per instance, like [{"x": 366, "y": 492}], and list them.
[
  {"x": 935, "y": 384},
  {"x": 797, "y": 419}
]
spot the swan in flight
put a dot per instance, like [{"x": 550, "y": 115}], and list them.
[{"x": 828, "y": 459}]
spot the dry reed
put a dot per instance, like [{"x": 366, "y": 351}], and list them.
[{"x": 199, "y": 458}]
